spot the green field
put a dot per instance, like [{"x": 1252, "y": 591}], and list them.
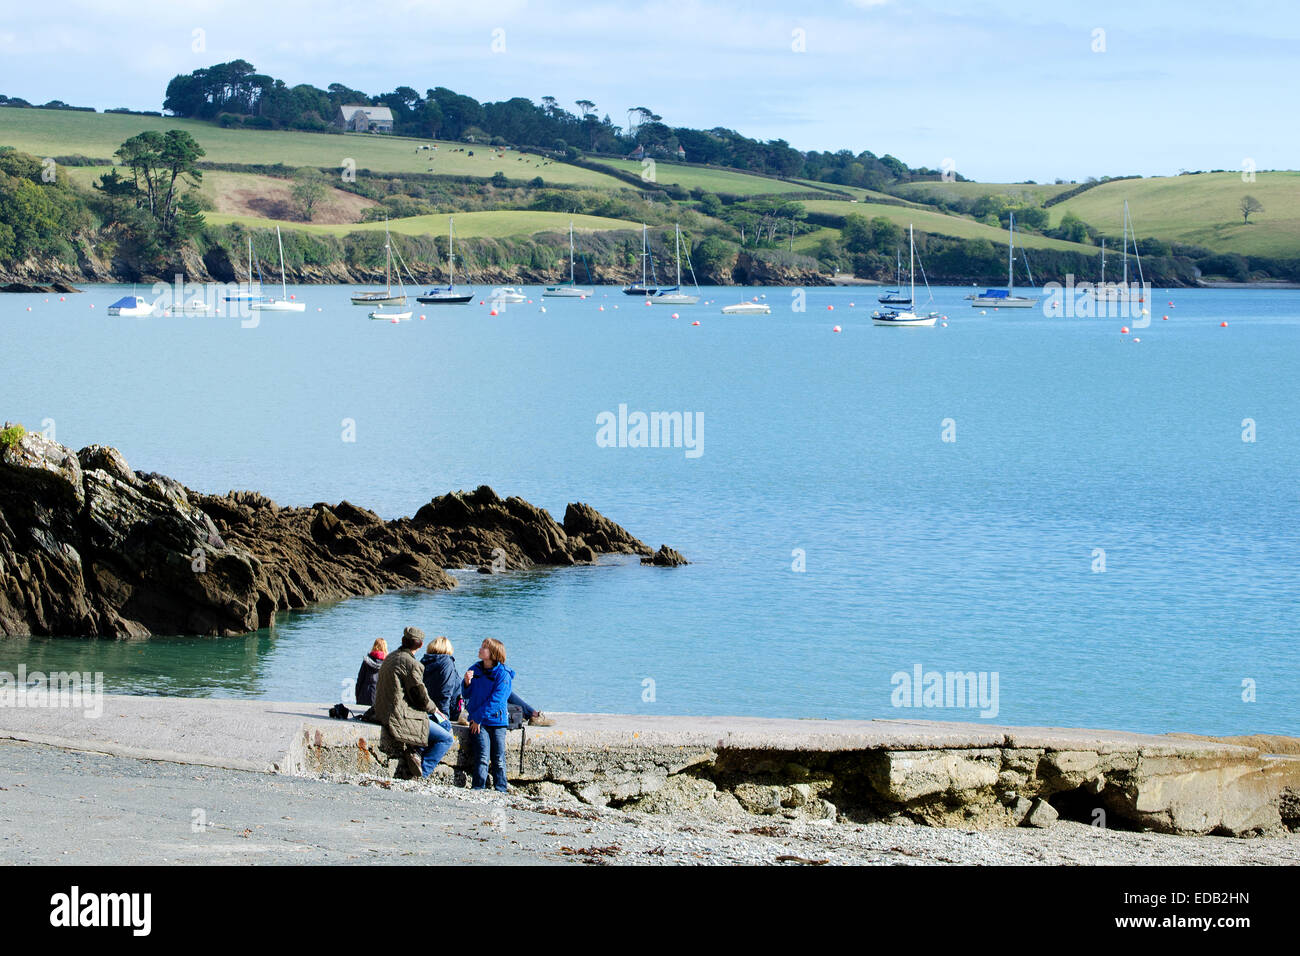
[
  {"x": 97, "y": 135},
  {"x": 1200, "y": 209},
  {"x": 939, "y": 224},
  {"x": 710, "y": 179},
  {"x": 493, "y": 224},
  {"x": 1034, "y": 193}
]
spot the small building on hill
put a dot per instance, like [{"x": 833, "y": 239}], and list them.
[{"x": 364, "y": 118}]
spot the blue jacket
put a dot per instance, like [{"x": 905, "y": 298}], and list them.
[
  {"x": 487, "y": 694},
  {"x": 442, "y": 681}
]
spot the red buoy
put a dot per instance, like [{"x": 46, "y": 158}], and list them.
[
  {"x": 836, "y": 329},
  {"x": 1124, "y": 330},
  {"x": 1223, "y": 325}
]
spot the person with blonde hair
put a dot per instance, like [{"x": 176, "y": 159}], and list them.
[
  {"x": 441, "y": 677},
  {"x": 487, "y": 691}
]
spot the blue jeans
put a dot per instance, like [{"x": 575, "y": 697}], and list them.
[
  {"x": 440, "y": 741},
  {"x": 493, "y": 739},
  {"x": 520, "y": 702}
]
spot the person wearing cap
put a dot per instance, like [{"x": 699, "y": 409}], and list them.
[{"x": 403, "y": 709}]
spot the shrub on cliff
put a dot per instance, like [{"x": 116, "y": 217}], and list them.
[{"x": 12, "y": 436}]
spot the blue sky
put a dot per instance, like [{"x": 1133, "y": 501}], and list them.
[{"x": 1007, "y": 90}]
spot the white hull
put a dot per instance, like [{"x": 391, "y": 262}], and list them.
[
  {"x": 1008, "y": 302},
  {"x": 747, "y": 308},
  {"x": 378, "y": 298},
  {"x": 903, "y": 319},
  {"x": 399, "y": 316},
  {"x": 510, "y": 296},
  {"x": 281, "y": 306},
  {"x": 675, "y": 298},
  {"x": 565, "y": 292},
  {"x": 131, "y": 313}
]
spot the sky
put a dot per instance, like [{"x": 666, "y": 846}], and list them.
[{"x": 1003, "y": 90}]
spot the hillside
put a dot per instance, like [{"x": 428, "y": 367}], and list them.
[
  {"x": 1200, "y": 209},
  {"x": 96, "y": 135}
]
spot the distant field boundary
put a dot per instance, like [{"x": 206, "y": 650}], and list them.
[{"x": 1083, "y": 188}]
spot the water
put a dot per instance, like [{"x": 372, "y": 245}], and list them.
[{"x": 973, "y": 555}]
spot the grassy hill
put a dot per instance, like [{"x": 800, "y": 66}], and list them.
[
  {"x": 1199, "y": 209},
  {"x": 1036, "y": 193},
  {"x": 493, "y": 224},
  {"x": 97, "y": 135},
  {"x": 714, "y": 180},
  {"x": 941, "y": 224}
]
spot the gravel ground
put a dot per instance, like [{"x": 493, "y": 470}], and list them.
[{"x": 59, "y": 806}]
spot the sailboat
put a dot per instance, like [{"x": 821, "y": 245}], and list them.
[
  {"x": 675, "y": 296},
  {"x": 250, "y": 295},
  {"x": 640, "y": 288},
  {"x": 386, "y": 297},
  {"x": 1005, "y": 298},
  {"x": 910, "y": 317},
  {"x": 1122, "y": 291},
  {"x": 282, "y": 304},
  {"x": 449, "y": 295},
  {"x": 895, "y": 296},
  {"x": 567, "y": 290}
]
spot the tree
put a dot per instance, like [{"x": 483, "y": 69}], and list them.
[
  {"x": 1248, "y": 205},
  {"x": 158, "y": 161},
  {"x": 308, "y": 190}
]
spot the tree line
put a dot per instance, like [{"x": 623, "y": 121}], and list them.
[{"x": 235, "y": 93}]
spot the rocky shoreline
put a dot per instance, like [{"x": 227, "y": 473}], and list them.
[
  {"x": 91, "y": 548},
  {"x": 218, "y": 264}
]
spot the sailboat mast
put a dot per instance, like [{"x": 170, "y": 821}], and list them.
[
  {"x": 643, "y": 248},
  {"x": 388, "y": 259},
  {"x": 284, "y": 286},
  {"x": 678, "y": 244},
  {"x": 1103, "y": 260},
  {"x": 1011, "y": 256},
  {"x": 572, "y": 280},
  {"x": 911, "y": 266},
  {"x": 1125, "y": 240},
  {"x": 451, "y": 252},
  {"x": 250, "y": 263}
]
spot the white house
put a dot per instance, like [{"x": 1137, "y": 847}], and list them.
[{"x": 364, "y": 118}]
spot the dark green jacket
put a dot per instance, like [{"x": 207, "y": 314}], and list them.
[{"x": 402, "y": 704}]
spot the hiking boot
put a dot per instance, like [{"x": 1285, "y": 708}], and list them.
[{"x": 540, "y": 720}]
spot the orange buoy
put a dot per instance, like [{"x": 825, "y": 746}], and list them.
[
  {"x": 1123, "y": 330},
  {"x": 1223, "y": 325},
  {"x": 830, "y": 308}
]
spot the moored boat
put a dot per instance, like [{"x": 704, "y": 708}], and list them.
[{"x": 449, "y": 295}]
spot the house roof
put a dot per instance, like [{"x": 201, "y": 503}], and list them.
[{"x": 379, "y": 114}]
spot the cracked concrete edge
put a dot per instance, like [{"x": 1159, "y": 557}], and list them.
[{"x": 140, "y": 753}]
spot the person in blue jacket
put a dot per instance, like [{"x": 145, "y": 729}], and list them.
[{"x": 487, "y": 689}]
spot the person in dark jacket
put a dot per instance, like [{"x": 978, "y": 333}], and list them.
[
  {"x": 368, "y": 675},
  {"x": 441, "y": 678},
  {"x": 403, "y": 708},
  {"x": 487, "y": 690}
]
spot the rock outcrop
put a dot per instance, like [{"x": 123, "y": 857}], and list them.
[{"x": 89, "y": 547}]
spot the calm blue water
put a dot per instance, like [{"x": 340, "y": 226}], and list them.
[{"x": 973, "y": 555}]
